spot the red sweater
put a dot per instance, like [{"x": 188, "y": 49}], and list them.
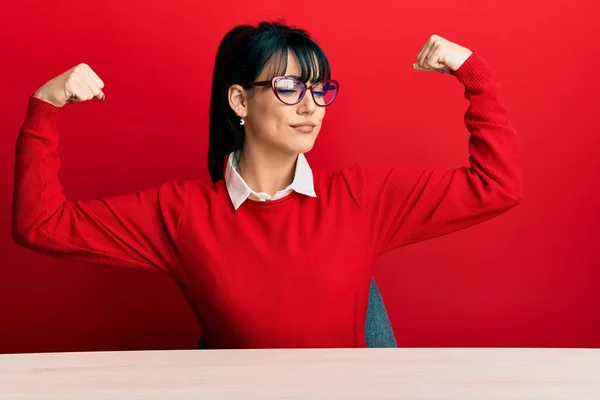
[{"x": 293, "y": 272}]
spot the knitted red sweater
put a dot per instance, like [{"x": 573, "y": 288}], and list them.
[{"x": 293, "y": 272}]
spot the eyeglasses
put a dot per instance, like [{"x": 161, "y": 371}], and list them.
[{"x": 290, "y": 90}]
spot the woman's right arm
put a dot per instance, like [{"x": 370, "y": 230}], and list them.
[{"x": 136, "y": 230}]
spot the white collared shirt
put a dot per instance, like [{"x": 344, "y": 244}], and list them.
[{"x": 239, "y": 191}]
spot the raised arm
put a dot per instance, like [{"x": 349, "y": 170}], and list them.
[
  {"x": 136, "y": 230},
  {"x": 403, "y": 205}
]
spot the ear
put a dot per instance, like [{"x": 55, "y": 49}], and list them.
[{"x": 238, "y": 100}]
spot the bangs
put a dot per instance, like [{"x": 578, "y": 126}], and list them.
[{"x": 313, "y": 63}]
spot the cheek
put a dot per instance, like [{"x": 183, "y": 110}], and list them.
[
  {"x": 320, "y": 113},
  {"x": 279, "y": 117},
  {"x": 270, "y": 116}
]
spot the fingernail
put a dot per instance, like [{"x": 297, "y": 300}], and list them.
[{"x": 415, "y": 66}]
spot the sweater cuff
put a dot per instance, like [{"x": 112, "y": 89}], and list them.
[
  {"x": 41, "y": 116},
  {"x": 474, "y": 72}
]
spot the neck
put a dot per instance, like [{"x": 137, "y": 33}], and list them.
[{"x": 266, "y": 171}]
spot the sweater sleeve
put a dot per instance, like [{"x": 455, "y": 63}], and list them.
[
  {"x": 135, "y": 230},
  {"x": 403, "y": 205}
]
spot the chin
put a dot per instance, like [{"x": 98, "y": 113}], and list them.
[
  {"x": 303, "y": 144},
  {"x": 297, "y": 143}
]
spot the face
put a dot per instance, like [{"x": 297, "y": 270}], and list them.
[{"x": 273, "y": 125}]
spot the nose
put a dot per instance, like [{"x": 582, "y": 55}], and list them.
[{"x": 307, "y": 105}]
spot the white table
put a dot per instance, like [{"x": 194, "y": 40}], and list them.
[{"x": 411, "y": 373}]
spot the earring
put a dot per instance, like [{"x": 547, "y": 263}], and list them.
[{"x": 242, "y": 122}]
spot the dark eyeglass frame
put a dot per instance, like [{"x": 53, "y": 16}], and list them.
[{"x": 273, "y": 83}]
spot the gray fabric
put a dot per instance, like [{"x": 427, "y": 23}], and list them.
[{"x": 378, "y": 329}]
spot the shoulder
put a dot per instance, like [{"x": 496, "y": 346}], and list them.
[
  {"x": 357, "y": 175},
  {"x": 361, "y": 181},
  {"x": 180, "y": 191},
  {"x": 345, "y": 175},
  {"x": 348, "y": 180}
]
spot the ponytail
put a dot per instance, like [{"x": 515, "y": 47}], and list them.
[{"x": 225, "y": 136}]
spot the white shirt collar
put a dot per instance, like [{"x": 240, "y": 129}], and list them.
[{"x": 239, "y": 191}]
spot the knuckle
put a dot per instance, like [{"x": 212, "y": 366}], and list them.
[{"x": 80, "y": 68}]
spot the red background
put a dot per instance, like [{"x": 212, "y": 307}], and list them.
[{"x": 530, "y": 277}]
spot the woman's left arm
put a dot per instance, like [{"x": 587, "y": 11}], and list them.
[{"x": 404, "y": 206}]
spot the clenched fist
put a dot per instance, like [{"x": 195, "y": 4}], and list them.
[
  {"x": 78, "y": 84},
  {"x": 441, "y": 55}
]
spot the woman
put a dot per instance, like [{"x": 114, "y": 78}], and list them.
[{"x": 269, "y": 254}]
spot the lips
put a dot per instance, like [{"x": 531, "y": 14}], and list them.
[
  {"x": 304, "y": 124},
  {"x": 305, "y": 127}
]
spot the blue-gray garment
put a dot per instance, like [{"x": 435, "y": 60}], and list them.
[{"x": 378, "y": 329}]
